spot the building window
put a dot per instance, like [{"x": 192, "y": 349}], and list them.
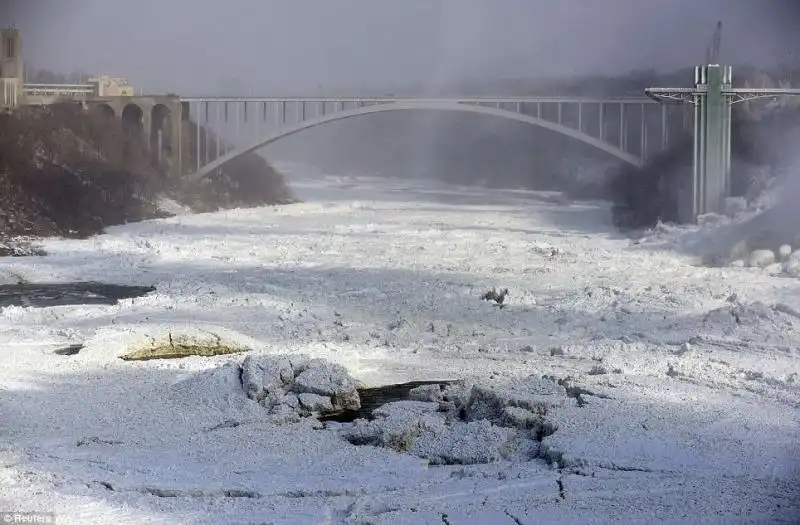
[{"x": 9, "y": 47}]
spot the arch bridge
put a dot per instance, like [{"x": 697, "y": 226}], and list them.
[
  {"x": 630, "y": 128},
  {"x": 153, "y": 119}
]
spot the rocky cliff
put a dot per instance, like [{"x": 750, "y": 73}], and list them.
[{"x": 66, "y": 171}]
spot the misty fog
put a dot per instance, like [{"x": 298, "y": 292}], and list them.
[
  {"x": 282, "y": 47},
  {"x": 411, "y": 47}
]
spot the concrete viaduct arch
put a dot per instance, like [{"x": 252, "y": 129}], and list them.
[
  {"x": 157, "y": 119},
  {"x": 407, "y": 106}
]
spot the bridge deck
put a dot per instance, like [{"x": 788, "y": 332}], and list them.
[{"x": 432, "y": 100}]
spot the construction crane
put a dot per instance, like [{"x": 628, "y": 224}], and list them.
[
  {"x": 712, "y": 57},
  {"x": 712, "y": 51}
]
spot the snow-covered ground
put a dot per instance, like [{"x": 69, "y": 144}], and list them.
[{"x": 672, "y": 389}]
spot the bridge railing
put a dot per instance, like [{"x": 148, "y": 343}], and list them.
[
  {"x": 58, "y": 90},
  {"x": 402, "y": 99}
]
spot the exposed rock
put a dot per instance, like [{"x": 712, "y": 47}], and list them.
[
  {"x": 286, "y": 385},
  {"x": 260, "y": 376},
  {"x": 176, "y": 346},
  {"x": 328, "y": 379},
  {"x": 70, "y": 171}
]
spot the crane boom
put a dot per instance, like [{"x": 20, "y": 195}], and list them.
[{"x": 712, "y": 51}]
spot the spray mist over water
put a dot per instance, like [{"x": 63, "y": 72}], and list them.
[
  {"x": 470, "y": 47},
  {"x": 779, "y": 223}
]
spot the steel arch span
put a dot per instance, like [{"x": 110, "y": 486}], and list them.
[{"x": 406, "y": 106}]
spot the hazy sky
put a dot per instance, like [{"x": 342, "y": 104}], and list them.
[{"x": 280, "y": 46}]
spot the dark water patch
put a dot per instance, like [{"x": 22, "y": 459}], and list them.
[
  {"x": 199, "y": 493},
  {"x": 69, "y": 350},
  {"x": 372, "y": 398},
  {"x": 42, "y": 295}
]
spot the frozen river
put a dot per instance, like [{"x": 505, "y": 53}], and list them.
[{"x": 689, "y": 411}]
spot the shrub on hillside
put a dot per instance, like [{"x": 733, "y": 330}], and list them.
[{"x": 65, "y": 170}]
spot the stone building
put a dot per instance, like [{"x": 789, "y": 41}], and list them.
[{"x": 12, "y": 71}]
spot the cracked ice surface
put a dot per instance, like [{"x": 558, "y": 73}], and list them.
[{"x": 681, "y": 381}]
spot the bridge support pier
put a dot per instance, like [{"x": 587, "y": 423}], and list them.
[
  {"x": 712, "y": 97},
  {"x": 181, "y": 119},
  {"x": 712, "y": 139},
  {"x": 164, "y": 139}
]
